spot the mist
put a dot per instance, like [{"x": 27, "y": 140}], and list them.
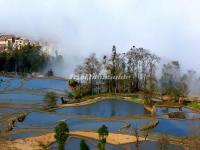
[{"x": 76, "y": 28}]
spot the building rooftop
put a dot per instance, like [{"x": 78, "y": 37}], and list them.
[{"x": 5, "y": 37}]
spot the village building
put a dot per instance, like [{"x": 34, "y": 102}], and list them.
[{"x": 11, "y": 42}]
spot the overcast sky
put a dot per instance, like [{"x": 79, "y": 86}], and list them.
[{"x": 170, "y": 28}]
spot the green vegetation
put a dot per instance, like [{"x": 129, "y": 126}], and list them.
[
  {"x": 70, "y": 95},
  {"x": 61, "y": 134},
  {"x": 167, "y": 103},
  {"x": 195, "y": 105},
  {"x": 137, "y": 100},
  {"x": 83, "y": 145},
  {"x": 148, "y": 102},
  {"x": 103, "y": 134},
  {"x": 27, "y": 59},
  {"x": 50, "y": 100},
  {"x": 123, "y": 73},
  {"x": 132, "y": 72}
]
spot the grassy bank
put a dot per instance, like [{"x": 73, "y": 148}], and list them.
[
  {"x": 133, "y": 97},
  {"x": 195, "y": 106}
]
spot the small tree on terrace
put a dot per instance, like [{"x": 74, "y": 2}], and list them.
[
  {"x": 103, "y": 134},
  {"x": 61, "y": 134},
  {"x": 83, "y": 145}
]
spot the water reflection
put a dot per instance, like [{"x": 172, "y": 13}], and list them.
[{"x": 106, "y": 108}]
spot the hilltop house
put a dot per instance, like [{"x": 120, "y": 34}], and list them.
[{"x": 11, "y": 42}]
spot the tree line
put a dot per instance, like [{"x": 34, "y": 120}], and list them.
[
  {"x": 139, "y": 66},
  {"x": 27, "y": 59}
]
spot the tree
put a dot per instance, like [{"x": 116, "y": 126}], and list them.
[
  {"x": 50, "y": 100},
  {"x": 29, "y": 58},
  {"x": 61, "y": 134},
  {"x": 83, "y": 145},
  {"x": 90, "y": 68},
  {"x": 141, "y": 69},
  {"x": 103, "y": 134},
  {"x": 114, "y": 66},
  {"x": 172, "y": 82}
]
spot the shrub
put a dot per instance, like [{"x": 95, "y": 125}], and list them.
[
  {"x": 148, "y": 102},
  {"x": 50, "y": 100},
  {"x": 70, "y": 95}
]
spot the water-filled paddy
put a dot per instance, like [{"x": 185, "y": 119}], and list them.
[
  {"x": 46, "y": 84},
  {"x": 46, "y": 120},
  {"x": 189, "y": 113},
  {"x": 20, "y": 98},
  {"x": 166, "y": 110},
  {"x": 7, "y": 83},
  {"x": 17, "y": 135},
  {"x": 106, "y": 108},
  {"x": 115, "y": 114},
  {"x": 4, "y": 111},
  {"x": 149, "y": 145},
  {"x": 113, "y": 126},
  {"x": 40, "y": 120},
  {"x": 177, "y": 127}
]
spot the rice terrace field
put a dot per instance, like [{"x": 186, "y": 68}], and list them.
[{"x": 26, "y": 96}]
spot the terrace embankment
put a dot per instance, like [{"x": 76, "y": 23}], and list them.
[
  {"x": 39, "y": 142},
  {"x": 88, "y": 101}
]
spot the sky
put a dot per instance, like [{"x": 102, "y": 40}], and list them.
[{"x": 76, "y": 28}]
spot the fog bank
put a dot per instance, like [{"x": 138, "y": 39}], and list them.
[{"x": 76, "y": 28}]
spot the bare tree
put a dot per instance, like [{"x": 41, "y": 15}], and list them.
[
  {"x": 91, "y": 68},
  {"x": 141, "y": 68}
]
